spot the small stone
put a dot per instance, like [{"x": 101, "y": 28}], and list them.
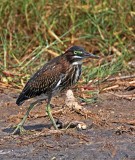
[{"x": 82, "y": 126}]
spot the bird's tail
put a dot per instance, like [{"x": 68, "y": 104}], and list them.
[{"x": 20, "y": 100}]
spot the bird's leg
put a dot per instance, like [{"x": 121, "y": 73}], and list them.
[
  {"x": 19, "y": 128},
  {"x": 48, "y": 110}
]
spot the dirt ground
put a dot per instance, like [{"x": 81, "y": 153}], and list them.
[{"x": 110, "y": 132}]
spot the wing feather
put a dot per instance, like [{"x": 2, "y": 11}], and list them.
[{"x": 43, "y": 81}]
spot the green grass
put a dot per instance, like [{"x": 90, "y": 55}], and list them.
[{"x": 29, "y": 27}]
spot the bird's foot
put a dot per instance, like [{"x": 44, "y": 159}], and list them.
[{"x": 19, "y": 129}]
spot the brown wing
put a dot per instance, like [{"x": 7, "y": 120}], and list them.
[{"x": 43, "y": 81}]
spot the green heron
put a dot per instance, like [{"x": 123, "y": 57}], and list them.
[{"x": 55, "y": 76}]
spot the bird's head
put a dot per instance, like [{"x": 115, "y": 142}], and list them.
[{"x": 77, "y": 54}]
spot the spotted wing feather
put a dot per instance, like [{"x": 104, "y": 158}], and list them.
[{"x": 43, "y": 81}]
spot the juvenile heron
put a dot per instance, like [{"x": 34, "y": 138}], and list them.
[{"x": 55, "y": 76}]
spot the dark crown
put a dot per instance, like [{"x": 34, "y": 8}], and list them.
[{"x": 76, "y": 48}]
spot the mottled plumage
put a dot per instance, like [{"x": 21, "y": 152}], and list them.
[{"x": 55, "y": 76}]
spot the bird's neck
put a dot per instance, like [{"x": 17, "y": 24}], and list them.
[{"x": 73, "y": 60}]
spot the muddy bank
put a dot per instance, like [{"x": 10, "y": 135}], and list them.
[{"x": 110, "y": 136}]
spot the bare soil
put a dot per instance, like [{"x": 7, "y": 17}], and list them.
[{"x": 110, "y": 132}]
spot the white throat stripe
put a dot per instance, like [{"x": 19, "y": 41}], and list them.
[{"x": 77, "y": 63}]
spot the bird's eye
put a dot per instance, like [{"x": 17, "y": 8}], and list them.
[{"x": 78, "y": 53}]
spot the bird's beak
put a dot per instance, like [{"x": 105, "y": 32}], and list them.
[{"x": 90, "y": 55}]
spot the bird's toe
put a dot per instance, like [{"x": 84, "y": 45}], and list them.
[{"x": 19, "y": 129}]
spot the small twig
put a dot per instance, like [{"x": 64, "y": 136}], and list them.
[
  {"x": 129, "y": 97},
  {"x": 110, "y": 88},
  {"x": 119, "y": 78},
  {"x": 132, "y": 82}
]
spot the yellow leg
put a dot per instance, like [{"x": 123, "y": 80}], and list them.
[
  {"x": 19, "y": 128},
  {"x": 48, "y": 110}
]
